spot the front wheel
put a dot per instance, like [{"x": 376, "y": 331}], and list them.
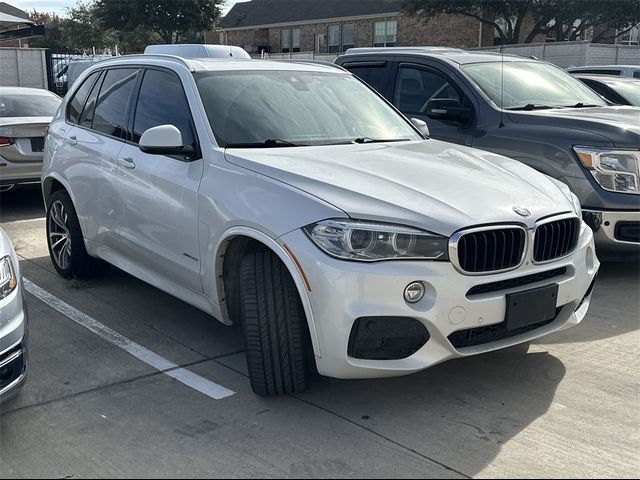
[
  {"x": 275, "y": 327},
  {"x": 65, "y": 241}
]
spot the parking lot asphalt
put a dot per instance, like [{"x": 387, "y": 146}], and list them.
[{"x": 91, "y": 408}]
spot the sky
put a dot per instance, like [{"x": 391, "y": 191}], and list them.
[{"x": 59, "y": 6}]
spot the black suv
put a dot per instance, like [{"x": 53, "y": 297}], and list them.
[{"x": 527, "y": 110}]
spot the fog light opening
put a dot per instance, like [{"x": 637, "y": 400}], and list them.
[
  {"x": 590, "y": 260},
  {"x": 414, "y": 292}
]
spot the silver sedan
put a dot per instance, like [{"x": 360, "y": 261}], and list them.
[
  {"x": 13, "y": 322},
  {"x": 25, "y": 114}
]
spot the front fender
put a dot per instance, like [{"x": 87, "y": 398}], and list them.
[{"x": 287, "y": 257}]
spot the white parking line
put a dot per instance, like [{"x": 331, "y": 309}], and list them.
[
  {"x": 143, "y": 354},
  {"x": 24, "y": 220}
]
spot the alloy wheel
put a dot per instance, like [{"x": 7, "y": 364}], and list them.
[{"x": 59, "y": 235}]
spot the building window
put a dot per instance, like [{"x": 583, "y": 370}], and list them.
[
  {"x": 321, "y": 43},
  {"x": 285, "y": 41},
  {"x": 334, "y": 39},
  {"x": 348, "y": 37},
  {"x": 384, "y": 34},
  {"x": 295, "y": 40},
  {"x": 632, "y": 37}
]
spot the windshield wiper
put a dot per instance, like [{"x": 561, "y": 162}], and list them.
[
  {"x": 379, "y": 140},
  {"x": 268, "y": 143},
  {"x": 583, "y": 105},
  {"x": 530, "y": 106}
]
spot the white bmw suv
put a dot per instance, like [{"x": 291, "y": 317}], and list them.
[{"x": 294, "y": 200}]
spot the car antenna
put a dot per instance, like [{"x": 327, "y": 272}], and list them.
[{"x": 501, "y": 87}]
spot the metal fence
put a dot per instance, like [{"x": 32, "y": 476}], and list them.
[
  {"x": 562, "y": 54},
  {"x": 574, "y": 54},
  {"x": 63, "y": 69}
]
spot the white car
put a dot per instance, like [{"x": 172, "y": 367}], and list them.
[
  {"x": 293, "y": 199},
  {"x": 616, "y": 70},
  {"x": 13, "y": 322},
  {"x": 25, "y": 114}
]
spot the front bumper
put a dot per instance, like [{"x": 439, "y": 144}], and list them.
[
  {"x": 343, "y": 291},
  {"x": 13, "y": 344},
  {"x": 614, "y": 231}
]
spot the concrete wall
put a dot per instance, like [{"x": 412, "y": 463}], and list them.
[
  {"x": 575, "y": 54},
  {"x": 23, "y": 67}
]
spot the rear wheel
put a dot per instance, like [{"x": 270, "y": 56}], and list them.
[
  {"x": 275, "y": 327},
  {"x": 66, "y": 244}
]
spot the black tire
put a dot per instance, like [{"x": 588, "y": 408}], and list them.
[
  {"x": 63, "y": 226},
  {"x": 275, "y": 326}
]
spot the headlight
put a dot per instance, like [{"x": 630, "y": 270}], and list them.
[
  {"x": 8, "y": 280},
  {"x": 614, "y": 170},
  {"x": 368, "y": 241}
]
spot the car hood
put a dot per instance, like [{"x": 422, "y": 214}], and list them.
[
  {"x": 620, "y": 124},
  {"x": 437, "y": 186}
]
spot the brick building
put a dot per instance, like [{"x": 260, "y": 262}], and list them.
[{"x": 332, "y": 26}]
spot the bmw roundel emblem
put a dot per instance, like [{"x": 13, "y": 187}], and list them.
[{"x": 523, "y": 212}]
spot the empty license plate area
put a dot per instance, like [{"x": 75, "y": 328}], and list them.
[
  {"x": 531, "y": 306},
  {"x": 37, "y": 144}
]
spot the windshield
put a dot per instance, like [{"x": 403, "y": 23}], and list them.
[
  {"x": 629, "y": 90},
  {"x": 294, "y": 108},
  {"x": 28, "y": 105},
  {"x": 529, "y": 85}
]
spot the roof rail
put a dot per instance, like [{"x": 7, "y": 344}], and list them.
[
  {"x": 148, "y": 56},
  {"x": 425, "y": 49},
  {"x": 324, "y": 63}
]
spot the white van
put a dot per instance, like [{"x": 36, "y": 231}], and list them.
[{"x": 198, "y": 51}]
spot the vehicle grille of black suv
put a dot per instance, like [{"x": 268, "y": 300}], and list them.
[
  {"x": 491, "y": 250},
  {"x": 556, "y": 239}
]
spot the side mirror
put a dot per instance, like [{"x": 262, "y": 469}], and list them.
[
  {"x": 163, "y": 140},
  {"x": 445, "y": 109},
  {"x": 422, "y": 126}
]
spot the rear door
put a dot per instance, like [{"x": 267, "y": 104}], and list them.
[
  {"x": 159, "y": 194},
  {"x": 375, "y": 72},
  {"x": 91, "y": 149}
]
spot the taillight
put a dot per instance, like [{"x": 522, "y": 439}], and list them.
[{"x": 4, "y": 141}]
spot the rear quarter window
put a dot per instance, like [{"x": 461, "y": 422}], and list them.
[
  {"x": 76, "y": 104},
  {"x": 373, "y": 74}
]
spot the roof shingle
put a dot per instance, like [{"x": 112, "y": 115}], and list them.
[{"x": 269, "y": 12}]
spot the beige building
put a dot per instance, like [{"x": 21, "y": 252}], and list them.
[{"x": 332, "y": 26}]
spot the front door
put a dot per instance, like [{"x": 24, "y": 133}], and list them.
[
  {"x": 415, "y": 85},
  {"x": 159, "y": 194}
]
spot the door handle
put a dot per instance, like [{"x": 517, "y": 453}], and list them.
[
  {"x": 73, "y": 140},
  {"x": 127, "y": 163}
]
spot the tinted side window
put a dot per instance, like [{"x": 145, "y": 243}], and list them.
[
  {"x": 374, "y": 75},
  {"x": 79, "y": 98},
  {"x": 636, "y": 74},
  {"x": 86, "y": 118},
  {"x": 600, "y": 72},
  {"x": 111, "y": 106},
  {"x": 600, "y": 90},
  {"x": 415, "y": 87},
  {"x": 162, "y": 102}
]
